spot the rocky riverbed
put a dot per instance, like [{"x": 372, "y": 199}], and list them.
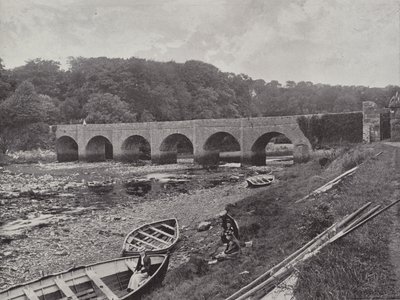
[{"x": 52, "y": 221}]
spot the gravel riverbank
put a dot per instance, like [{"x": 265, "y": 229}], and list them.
[{"x": 75, "y": 226}]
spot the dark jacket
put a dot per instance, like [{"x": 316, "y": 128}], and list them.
[
  {"x": 232, "y": 247},
  {"x": 234, "y": 228},
  {"x": 145, "y": 266}
]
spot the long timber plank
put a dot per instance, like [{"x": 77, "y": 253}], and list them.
[
  {"x": 101, "y": 285},
  {"x": 162, "y": 232},
  {"x": 65, "y": 289}
]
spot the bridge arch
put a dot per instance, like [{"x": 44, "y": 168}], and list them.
[
  {"x": 67, "y": 149},
  {"x": 99, "y": 148},
  {"x": 258, "y": 151},
  {"x": 135, "y": 147},
  {"x": 221, "y": 146},
  {"x": 174, "y": 145}
]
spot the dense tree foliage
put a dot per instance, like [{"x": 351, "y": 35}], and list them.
[
  {"x": 105, "y": 90},
  {"x": 22, "y": 107},
  {"x": 5, "y": 82},
  {"x": 332, "y": 128},
  {"x": 22, "y": 117},
  {"x": 107, "y": 108}
]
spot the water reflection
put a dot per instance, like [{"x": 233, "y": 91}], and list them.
[{"x": 156, "y": 183}]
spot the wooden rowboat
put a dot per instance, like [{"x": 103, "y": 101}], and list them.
[
  {"x": 157, "y": 237},
  {"x": 260, "y": 180},
  {"x": 106, "y": 280},
  {"x": 97, "y": 184}
]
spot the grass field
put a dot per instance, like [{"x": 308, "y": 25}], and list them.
[{"x": 358, "y": 266}]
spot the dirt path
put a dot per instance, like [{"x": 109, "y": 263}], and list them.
[{"x": 394, "y": 245}]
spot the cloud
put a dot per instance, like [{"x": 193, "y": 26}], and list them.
[{"x": 332, "y": 41}]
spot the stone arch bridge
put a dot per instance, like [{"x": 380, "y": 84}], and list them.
[{"x": 247, "y": 137}]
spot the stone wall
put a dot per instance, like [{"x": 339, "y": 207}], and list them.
[
  {"x": 395, "y": 124},
  {"x": 371, "y": 122}
]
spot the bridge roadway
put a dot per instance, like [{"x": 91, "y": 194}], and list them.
[{"x": 206, "y": 138}]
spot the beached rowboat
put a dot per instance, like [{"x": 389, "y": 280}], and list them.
[
  {"x": 260, "y": 180},
  {"x": 156, "y": 237},
  {"x": 106, "y": 280},
  {"x": 97, "y": 184},
  {"x": 101, "y": 186}
]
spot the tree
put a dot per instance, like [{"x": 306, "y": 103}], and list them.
[
  {"x": 22, "y": 116},
  {"x": 71, "y": 110},
  {"x": 22, "y": 107},
  {"x": 205, "y": 104},
  {"x": 107, "y": 108},
  {"x": 146, "y": 116},
  {"x": 5, "y": 85},
  {"x": 45, "y": 75},
  {"x": 290, "y": 84},
  {"x": 50, "y": 108}
]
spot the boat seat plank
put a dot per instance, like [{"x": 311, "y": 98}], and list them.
[
  {"x": 92, "y": 295},
  {"x": 153, "y": 237},
  {"x": 101, "y": 285},
  {"x": 130, "y": 245},
  {"x": 84, "y": 292},
  {"x": 65, "y": 289},
  {"x": 30, "y": 293},
  {"x": 150, "y": 240},
  {"x": 144, "y": 242},
  {"x": 162, "y": 232},
  {"x": 157, "y": 234},
  {"x": 167, "y": 226}
]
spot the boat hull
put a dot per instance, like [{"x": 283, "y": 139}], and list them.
[
  {"x": 157, "y": 238},
  {"x": 104, "y": 280},
  {"x": 260, "y": 180},
  {"x": 150, "y": 285}
]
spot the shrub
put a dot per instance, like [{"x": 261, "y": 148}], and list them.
[
  {"x": 316, "y": 219},
  {"x": 26, "y": 137},
  {"x": 354, "y": 158},
  {"x": 32, "y": 156}
]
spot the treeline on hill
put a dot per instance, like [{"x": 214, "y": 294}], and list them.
[{"x": 105, "y": 90}]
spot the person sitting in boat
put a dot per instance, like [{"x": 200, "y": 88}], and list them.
[
  {"x": 141, "y": 272},
  {"x": 232, "y": 250}
]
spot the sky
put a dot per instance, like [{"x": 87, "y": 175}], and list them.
[{"x": 347, "y": 42}]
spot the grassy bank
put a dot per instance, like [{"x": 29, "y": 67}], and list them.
[
  {"x": 278, "y": 226},
  {"x": 359, "y": 265}
]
